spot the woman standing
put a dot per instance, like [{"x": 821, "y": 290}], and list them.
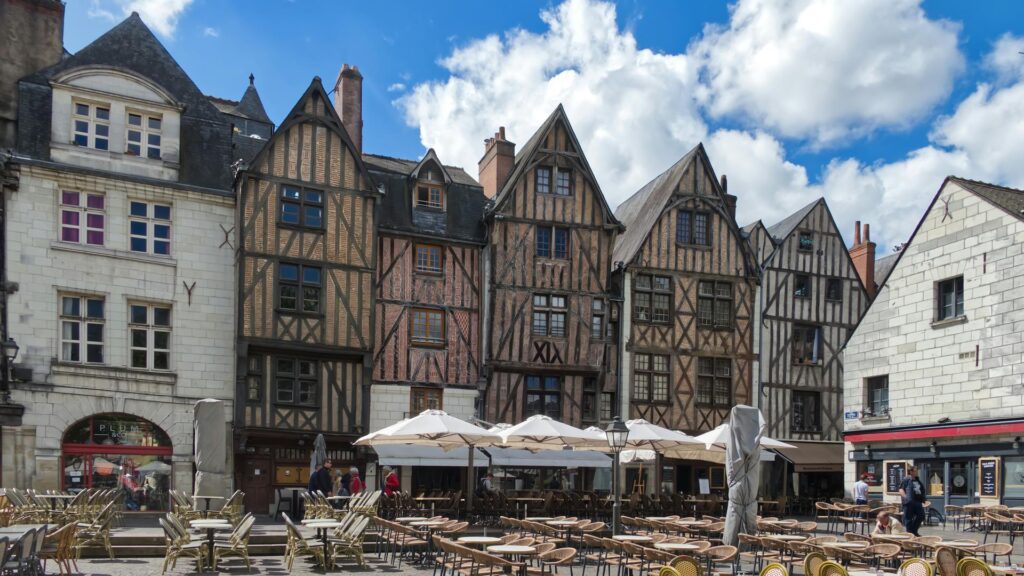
[{"x": 391, "y": 484}]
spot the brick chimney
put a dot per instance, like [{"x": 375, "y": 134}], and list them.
[
  {"x": 730, "y": 200},
  {"x": 348, "y": 101},
  {"x": 497, "y": 162},
  {"x": 863, "y": 255}
]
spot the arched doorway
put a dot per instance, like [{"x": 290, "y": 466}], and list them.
[{"x": 119, "y": 451}]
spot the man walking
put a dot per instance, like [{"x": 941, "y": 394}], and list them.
[
  {"x": 860, "y": 490},
  {"x": 912, "y": 494}
]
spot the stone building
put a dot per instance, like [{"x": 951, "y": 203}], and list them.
[
  {"x": 120, "y": 237},
  {"x": 933, "y": 372}
]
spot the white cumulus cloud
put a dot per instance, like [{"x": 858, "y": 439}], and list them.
[
  {"x": 160, "y": 15},
  {"x": 396, "y": 87},
  {"x": 211, "y": 32},
  {"x": 828, "y": 69}
]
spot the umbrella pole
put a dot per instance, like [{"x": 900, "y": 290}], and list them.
[{"x": 470, "y": 484}]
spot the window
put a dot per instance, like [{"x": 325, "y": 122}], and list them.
[
  {"x": 544, "y": 396},
  {"x": 834, "y": 290},
  {"x": 543, "y": 179},
  {"x": 429, "y": 195},
  {"x": 91, "y": 126},
  {"x": 421, "y": 399},
  {"x": 143, "y": 134},
  {"x": 298, "y": 288},
  {"x": 254, "y": 379},
  {"x": 82, "y": 218},
  {"x": 428, "y": 259},
  {"x": 297, "y": 381},
  {"x": 951, "y": 298},
  {"x": 650, "y": 378},
  {"x": 714, "y": 381},
  {"x": 427, "y": 326},
  {"x": 806, "y": 240},
  {"x": 806, "y": 344},
  {"x": 607, "y": 406},
  {"x": 150, "y": 328},
  {"x": 806, "y": 414},
  {"x": 150, "y": 228},
  {"x": 652, "y": 298},
  {"x": 552, "y": 242},
  {"x": 693, "y": 228},
  {"x": 802, "y": 286},
  {"x": 301, "y": 207},
  {"x": 563, "y": 182},
  {"x": 81, "y": 329},
  {"x": 714, "y": 304},
  {"x": 877, "y": 403},
  {"x": 589, "y": 400},
  {"x": 549, "y": 315},
  {"x": 597, "y": 313}
]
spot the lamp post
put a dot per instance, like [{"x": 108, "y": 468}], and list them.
[
  {"x": 10, "y": 352},
  {"x": 617, "y": 434}
]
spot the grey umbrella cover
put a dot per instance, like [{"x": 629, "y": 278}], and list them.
[
  {"x": 210, "y": 428},
  {"x": 742, "y": 468}
]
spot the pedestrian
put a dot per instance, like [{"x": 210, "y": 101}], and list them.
[
  {"x": 346, "y": 484},
  {"x": 323, "y": 481},
  {"x": 355, "y": 483},
  {"x": 487, "y": 484},
  {"x": 912, "y": 495},
  {"x": 391, "y": 484},
  {"x": 887, "y": 524},
  {"x": 860, "y": 490}
]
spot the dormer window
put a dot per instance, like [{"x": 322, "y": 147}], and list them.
[
  {"x": 429, "y": 195},
  {"x": 143, "y": 135},
  {"x": 91, "y": 128}
]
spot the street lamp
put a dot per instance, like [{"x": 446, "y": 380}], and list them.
[
  {"x": 617, "y": 434},
  {"x": 10, "y": 351}
]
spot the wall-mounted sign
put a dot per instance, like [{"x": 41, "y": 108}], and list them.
[
  {"x": 988, "y": 477},
  {"x": 895, "y": 471},
  {"x": 852, "y": 415}
]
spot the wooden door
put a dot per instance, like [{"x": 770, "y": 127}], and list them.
[{"x": 256, "y": 484}]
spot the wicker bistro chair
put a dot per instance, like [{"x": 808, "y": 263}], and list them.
[
  {"x": 916, "y": 567},
  {"x": 237, "y": 543},
  {"x": 299, "y": 546},
  {"x": 178, "y": 545},
  {"x": 350, "y": 542},
  {"x": 97, "y": 532},
  {"x": 829, "y": 568},
  {"x": 883, "y": 555},
  {"x": 813, "y": 562},
  {"x": 723, "y": 555},
  {"x": 994, "y": 550},
  {"x": 58, "y": 546},
  {"x": 684, "y": 566},
  {"x": 972, "y": 567},
  {"x": 945, "y": 560},
  {"x": 550, "y": 561},
  {"x": 774, "y": 569}
]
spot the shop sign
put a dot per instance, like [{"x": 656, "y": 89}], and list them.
[
  {"x": 895, "y": 471},
  {"x": 988, "y": 477},
  {"x": 852, "y": 415}
]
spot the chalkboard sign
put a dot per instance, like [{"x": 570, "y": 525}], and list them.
[
  {"x": 988, "y": 477},
  {"x": 894, "y": 473}
]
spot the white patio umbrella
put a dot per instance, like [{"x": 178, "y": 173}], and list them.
[
  {"x": 644, "y": 435},
  {"x": 435, "y": 428},
  {"x": 542, "y": 432},
  {"x": 720, "y": 437},
  {"x": 742, "y": 469}
]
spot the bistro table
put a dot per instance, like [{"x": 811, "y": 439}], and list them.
[
  {"x": 538, "y": 518},
  {"x": 788, "y": 537},
  {"x": 516, "y": 551},
  {"x": 631, "y": 538},
  {"x": 479, "y": 540},
  {"x": 1006, "y": 569},
  {"x": 322, "y": 527},
  {"x": 19, "y": 529},
  {"x": 895, "y": 537},
  {"x": 433, "y": 500},
  {"x": 429, "y": 526},
  {"x": 847, "y": 545},
  {"x": 526, "y": 503},
  {"x": 207, "y": 503},
  {"x": 676, "y": 546},
  {"x": 211, "y": 526}
]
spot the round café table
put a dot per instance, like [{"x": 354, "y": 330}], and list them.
[
  {"x": 788, "y": 537},
  {"x": 631, "y": 538},
  {"x": 676, "y": 546},
  {"x": 514, "y": 551},
  {"x": 211, "y": 526},
  {"x": 322, "y": 528},
  {"x": 479, "y": 540}
]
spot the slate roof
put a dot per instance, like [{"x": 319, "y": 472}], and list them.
[
  {"x": 641, "y": 211},
  {"x": 1009, "y": 199},
  {"x": 784, "y": 228},
  {"x": 531, "y": 146},
  {"x": 883, "y": 267},
  {"x": 406, "y": 167},
  {"x": 131, "y": 46},
  {"x": 250, "y": 105},
  {"x": 462, "y": 218}
]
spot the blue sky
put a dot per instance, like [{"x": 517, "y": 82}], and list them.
[{"x": 867, "y": 102}]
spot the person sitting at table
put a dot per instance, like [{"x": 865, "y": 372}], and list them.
[{"x": 886, "y": 524}]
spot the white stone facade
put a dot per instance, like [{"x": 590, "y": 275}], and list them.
[
  {"x": 968, "y": 368},
  {"x": 45, "y": 268}
]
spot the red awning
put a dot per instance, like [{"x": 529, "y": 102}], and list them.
[{"x": 924, "y": 433}]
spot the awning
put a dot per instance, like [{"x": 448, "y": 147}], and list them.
[
  {"x": 716, "y": 457},
  {"x": 511, "y": 457},
  {"x": 409, "y": 455},
  {"x": 814, "y": 456}
]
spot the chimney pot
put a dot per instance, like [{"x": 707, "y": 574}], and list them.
[
  {"x": 725, "y": 184},
  {"x": 856, "y": 233},
  {"x": 867, "y": 232},
  {"x": 497, "y": 163},
  {"x": 348, "y": 101},
  {"x": 501, "y": 132},
  {"x": 863, "y": 256}
]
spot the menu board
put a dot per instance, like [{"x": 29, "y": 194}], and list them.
[
  {"x": 894, "y": 474},
  {"x": 988, "y": 477}
]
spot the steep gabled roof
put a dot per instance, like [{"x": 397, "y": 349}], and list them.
[
  {"x": 329, "y": 119},
  {"x": 641, "y": 211},
  {"x": 784, "y": 228},
  {"x": 1009, "y": 199},
  {"x": 749, "y": 228},
  {"x": 532, "y": 145},
  {"x": 408, "y": 167},
  {"x": 431, "y": 156}
]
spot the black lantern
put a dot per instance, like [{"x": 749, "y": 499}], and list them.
[{"x": 618, "y": 434}]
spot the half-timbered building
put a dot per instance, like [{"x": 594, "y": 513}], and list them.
[
  {"x": 428, "y": 331},
  {"x": 307, "y": 256},
  {"x": 809, "y": 300},
  {"x": 549, "y": 310},
  {"x": 688, "y": 279}
]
